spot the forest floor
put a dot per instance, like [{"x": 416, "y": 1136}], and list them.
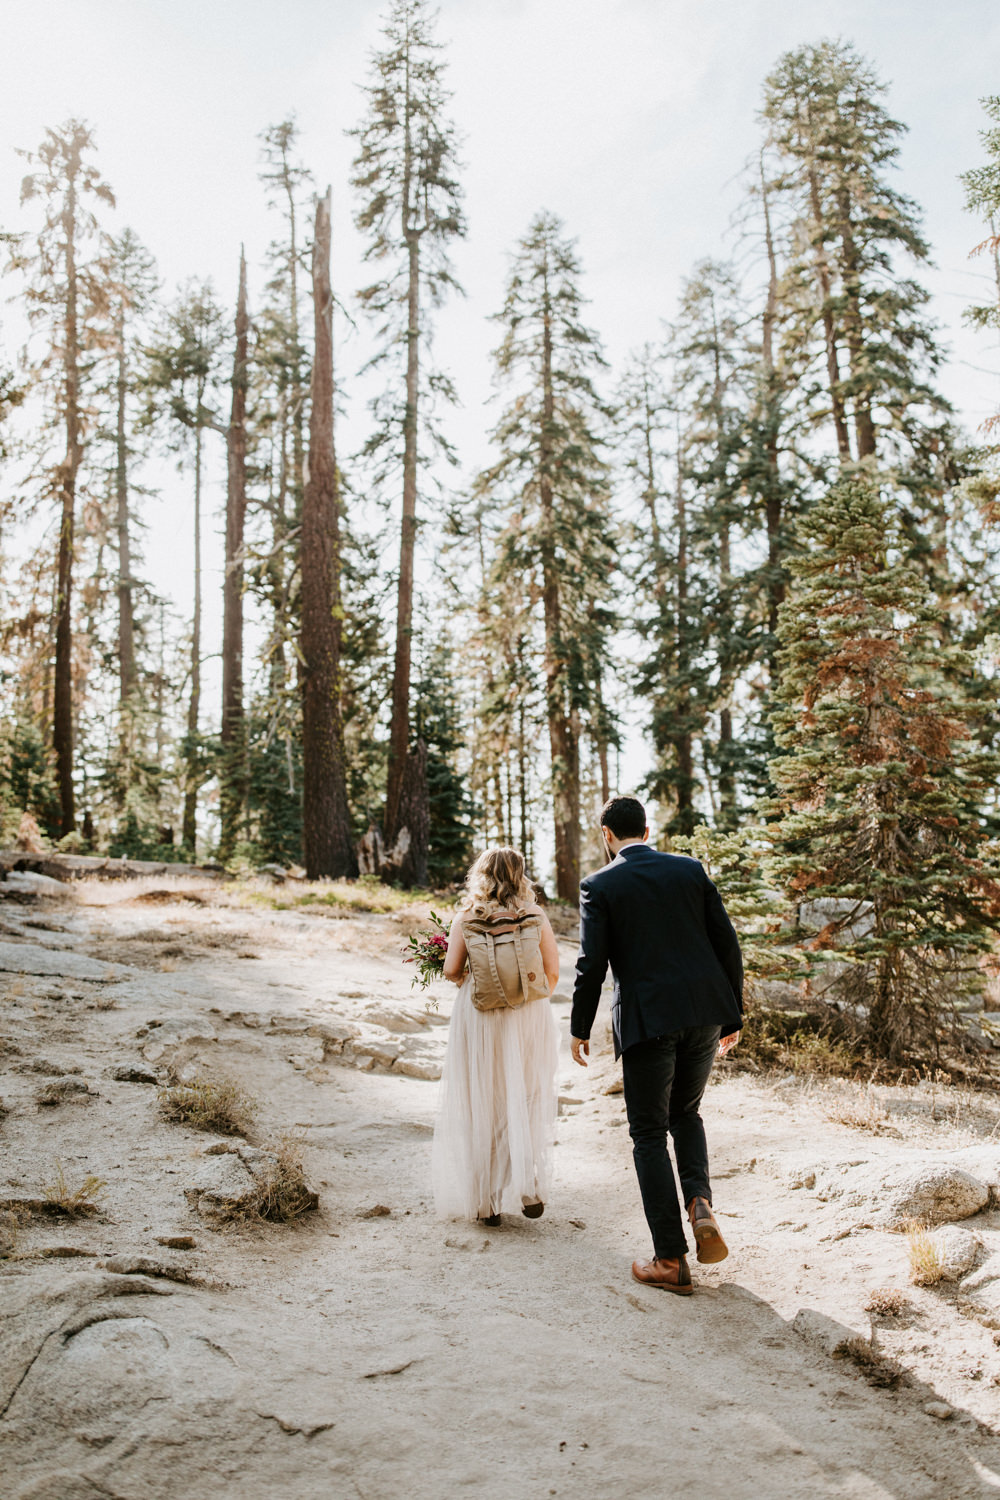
[{"x": 370, "y": 1350}]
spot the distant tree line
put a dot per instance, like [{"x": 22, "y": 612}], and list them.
[{"x": 765, "y": 538}]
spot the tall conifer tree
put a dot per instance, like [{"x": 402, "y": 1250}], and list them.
[
  {"x": 553, "y": 474},
  {"x": 410, "y": 209},
  {"x": 878, "y": 779},
  {"x": 67, "y": 296},
  {"x": 328, "y": 846}
]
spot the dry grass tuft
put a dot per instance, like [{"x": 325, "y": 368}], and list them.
[
  {"x": 218, "y": 1104},
  {"x": 280, "y": 1194},
  {"x": 10, "y": 1224},
  {"x": 283, "y": 1193},
  {"x": 105, "y": 1001},
  {"x": 926, "y": 1262},
  {"x": 877, "y": 1368},
  {"x": 70, "y": 1202},
  {"x": 863, "y": 1112},
  {"x": 887, "y": 1302}
]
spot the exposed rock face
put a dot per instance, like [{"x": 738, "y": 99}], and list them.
[{"x": 937, "y": 1193}]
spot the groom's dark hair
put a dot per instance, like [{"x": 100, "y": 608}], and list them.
[{"x": 625, "y": 817}]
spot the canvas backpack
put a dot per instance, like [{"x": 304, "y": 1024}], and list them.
[{"x": 505, "y": 959}]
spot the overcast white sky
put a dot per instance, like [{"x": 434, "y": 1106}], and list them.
[{"x": 630, "y": 118}]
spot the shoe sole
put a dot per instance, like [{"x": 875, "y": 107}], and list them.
[
  {"x": 711, "y": 1246},
  {"x": 533, "y": 1210},
  {"x": 666, "y": 1286}
]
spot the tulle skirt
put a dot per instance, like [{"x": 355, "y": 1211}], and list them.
[{"x": 496, "y": 1123}]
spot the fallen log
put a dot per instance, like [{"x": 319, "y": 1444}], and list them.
[{"x": 68, "y": 867}]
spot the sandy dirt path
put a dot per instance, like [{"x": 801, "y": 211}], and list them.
[{"x": 389, "y": 1355}]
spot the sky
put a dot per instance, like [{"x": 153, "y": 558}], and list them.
[{"x": 631, "y": 119}]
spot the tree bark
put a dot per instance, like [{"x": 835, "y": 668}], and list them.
[
  {"x": 399, "y": 834},
  {"x": 829, "y": 330},
  {"x": 233, "y": 734},
  {"x": 62, "y": 694},
  {"x": 773, "y": 503},
  {"x": 327, "y": 843},
  {"x": 127, "y": 675},
  {"x": 189, "y": 825}
]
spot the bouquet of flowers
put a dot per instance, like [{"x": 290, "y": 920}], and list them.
[{"x": 427, "y": 950}]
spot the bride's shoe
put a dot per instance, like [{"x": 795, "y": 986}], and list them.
[
  {"x": 492, "y": 1221},
  {"x": 707, "y": 1234},
  {"x": 532, "y": 1208}
]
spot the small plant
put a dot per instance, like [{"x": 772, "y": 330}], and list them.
[
  {"x": 877, "y": 1368},
  {"x": 73, "y": 1203},
  {"x": 863, "y": 1112},
  {"x": 926, "y": 1260},
  {"x": 887, "y": 1302},
  {"x": 209, "y": 1104}
]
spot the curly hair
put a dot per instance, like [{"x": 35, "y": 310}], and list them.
[{"x": 496, "y": 882}]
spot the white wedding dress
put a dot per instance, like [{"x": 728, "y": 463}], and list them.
[{"x": 496, "y": 1123}]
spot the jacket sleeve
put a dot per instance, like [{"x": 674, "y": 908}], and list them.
[
  {"x": 592, "y": 964},
  {"x": 722, "y": 936}
]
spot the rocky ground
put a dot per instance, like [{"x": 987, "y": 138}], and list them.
[{"x": 157, "y": 1347}]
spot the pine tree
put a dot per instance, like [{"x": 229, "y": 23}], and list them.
[
  {"x": 67, "y": 296},
  {"x": 834, "y": 146},
  {"x": 666, "y": 610},
  {"x": 327, "y": 842},
  {"x": 410, "y": 208},
  {"x": 183, "y": 384},
  {"x": 982, "y": 198},
  {"x": 553, "y": 475},
  {"x": 132, "y": 287},
  {"x": 233, "y": 772},
  {"x": 878, "y": 782}
]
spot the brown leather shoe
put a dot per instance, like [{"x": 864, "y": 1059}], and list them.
[
  {"x": 707, "y": 1234},
  {"x": 669, "y": 1275}
]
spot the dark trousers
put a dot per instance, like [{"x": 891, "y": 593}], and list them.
[{"x": 664, "y": 1080}]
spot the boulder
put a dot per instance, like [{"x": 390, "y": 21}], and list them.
[
  {"x": 223, "y": 1186},
  {"x": 958, "y": 1248},
  {"x": 937, "y": 1192}
]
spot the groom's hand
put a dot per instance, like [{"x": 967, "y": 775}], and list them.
[
  {"x": 581, "y": 1051},
  {"x": 728, "y": 1043}
]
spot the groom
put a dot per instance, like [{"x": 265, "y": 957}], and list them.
[{"x": 660, "y": 923}]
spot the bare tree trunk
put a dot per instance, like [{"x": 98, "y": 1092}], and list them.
[
  {"x": 189, "y": 826},
  {"x": 233, "y": 733},
  {"x": 327, "y": 843},
  {"x": 829, "y": 331},
  {"x": 864, "y": 427},
  {"x": 62, "y": 694},
  {"x": 683, "y": 747},
  {"x": 773, "y": 506}
]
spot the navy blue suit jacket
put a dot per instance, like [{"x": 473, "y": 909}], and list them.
[{"x": 660, "y": 923}]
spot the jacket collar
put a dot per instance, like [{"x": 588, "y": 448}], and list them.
[{"x": 634, "y": 851}]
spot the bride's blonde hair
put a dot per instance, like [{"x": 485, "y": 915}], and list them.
[{"x": 496, "y": 882}]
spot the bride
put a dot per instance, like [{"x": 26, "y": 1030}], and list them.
[{"x": 494, "y": 1132}]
